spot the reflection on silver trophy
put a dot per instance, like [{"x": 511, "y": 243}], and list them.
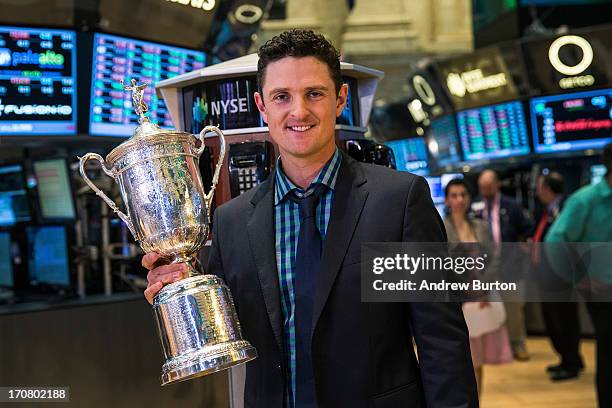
[{"x": 168, "y": 212}]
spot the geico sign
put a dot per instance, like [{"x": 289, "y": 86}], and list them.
[
  {"x": 473, "y": 81},
  {"x": 573, "y": 72},
  {"x": 206, "y": 5},
  {"x": 555, "y": 61}
]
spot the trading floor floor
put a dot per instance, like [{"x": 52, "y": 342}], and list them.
[{"x": 526, "y": 385}]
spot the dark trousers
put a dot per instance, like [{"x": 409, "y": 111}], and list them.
[
  {"x": 601, "y": 314},
  {"x": 563, "y": 328}
]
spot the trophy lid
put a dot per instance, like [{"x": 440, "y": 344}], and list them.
[{"x": 147, "y": 133}]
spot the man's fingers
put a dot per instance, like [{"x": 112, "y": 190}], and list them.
[
  {"x": 152, "y": 290},
  {"x": 166, "y": 273},
  {"x": 148, "y": 261}
]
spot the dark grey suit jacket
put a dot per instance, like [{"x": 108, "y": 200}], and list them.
[{"x": 362, "y": 352}]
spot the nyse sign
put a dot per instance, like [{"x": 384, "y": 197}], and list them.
[
  {"x": 574, "y": 73},
  {"x": 227, "y": 103},
  {"x": 224, "y": 107}
]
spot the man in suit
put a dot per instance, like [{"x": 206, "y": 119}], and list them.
[
  {"x": 290, "y": 252},
  {"x": 508, "y": 224},
  {"x": 560, "y": 318}
]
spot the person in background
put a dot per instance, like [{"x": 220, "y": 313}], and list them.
[
  {"x": 507, "y": 223},
  {"x": 587, "y": 217},
  {"x": 560, "y": 318},
  {"x": 492, "y": 347}
]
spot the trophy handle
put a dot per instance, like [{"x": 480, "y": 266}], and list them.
[
  {"x": 89, "y": 156},
  {"x": 209, "y": 197}
]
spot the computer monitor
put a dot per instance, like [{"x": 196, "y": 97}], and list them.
[
  {"x": 55, "y": 195},
  {"x": 48, "y": 258},
  {"x": 410, "y": 155},
  {"x": 443, "y": 141},
  {"x": 570, "y": 122},
  {"x": 14, "y": 205},
  {"x": 493, "y": 132},
  {"x": 116, "y": 58},
  {"x": 350, "y": 113},
  {"x": 37, "y": 81},
  {"x": 597, "y": 172},
  {"x": 446, "y": 177},
  {"x": 6, "y": 261},
  {"x": 435, "y": 188}
]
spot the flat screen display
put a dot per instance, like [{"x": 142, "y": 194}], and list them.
[
  {"x": 492, "y": 132},
  {"x": 116, "y": 58},
  {"x": 443, "y": 141},
  {"x": 570, "y": 122},
  {"x": 14, "y": 205},
  {"x": 410, "y": 155},
  {"x": 6, "y": 260},
  {"x": 228, "y": 104},
  {"x": 48, "y": 255},
  {"x": 437, "y": 185},
  {"x": 392, "y": 122},
  {"x": 447, "y": 177},
  {"x": 54, "y": 190},
  {"x": 350, "y": 113},
  {"x": 37, "y": 81}
]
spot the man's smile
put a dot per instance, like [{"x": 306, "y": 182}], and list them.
[{"x": 302, "y": 128}]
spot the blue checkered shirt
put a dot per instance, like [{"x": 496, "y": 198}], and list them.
[{"x": 287, "y": 230}]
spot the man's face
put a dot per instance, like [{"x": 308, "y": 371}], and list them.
[
  {"x": 300, "y": 105},
  {"x": 488, "y": 186}
]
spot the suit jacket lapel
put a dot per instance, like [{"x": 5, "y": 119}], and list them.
[
  {"x": 260, "y": 229},
  {"x": 348, "y": 202}
]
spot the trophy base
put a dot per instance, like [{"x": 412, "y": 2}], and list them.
[{"x": 201, "y": 363}]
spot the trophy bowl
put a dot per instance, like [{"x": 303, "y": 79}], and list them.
[{"x": 168, "y": 212}]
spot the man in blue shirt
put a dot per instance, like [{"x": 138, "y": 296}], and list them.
[{"x": 290, "y": 252}]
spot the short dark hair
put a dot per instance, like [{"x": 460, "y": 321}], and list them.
[
  {"x": 554, "y": 181},
  {"x": 299, "y": 43},
  {"x": 456, "y": 182},
  {"x": 607, "y": 157}
]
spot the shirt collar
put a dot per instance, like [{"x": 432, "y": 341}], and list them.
[
  {"x": 603, "y": 188},
  {"x": 327, "y": 176}
]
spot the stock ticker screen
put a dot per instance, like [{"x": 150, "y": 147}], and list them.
[
  {"x": 410, "y": 155},
  {"x": 37, "y": 81},
  {"x": 443, "y": 141},
  {"x": 14, "y": 203},
  {"x": 570, "y": 122},
  {"x": 493, "y": 132},
  {"x": 116, "y": 58}
]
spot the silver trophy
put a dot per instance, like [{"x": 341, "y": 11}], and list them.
[{"x": 168, "y": 212}]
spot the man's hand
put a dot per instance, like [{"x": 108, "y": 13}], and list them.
[{"x": 160, "y": 274}]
